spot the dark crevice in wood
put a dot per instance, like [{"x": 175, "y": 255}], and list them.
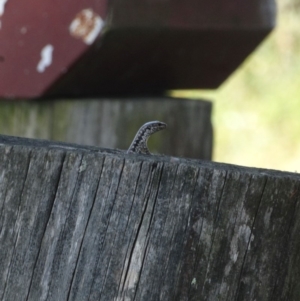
[
  {"x": 98, "y": 257},
  {"x": 297, "y": 202},
  {"x": 220, "y": 201},
  {"x": 166, "y": 265},
  {"x": 154, "y": 199},
  {"x": 187, "y": 230},
  {"x": 46, "y": 224},
  {"x": 182, "y": 187},
  {"x": 32, "y": 224},
  {"x": 239, "y": 216},
  {"x": 134, "y": 195},
  {"x": 142, "y": 266},
  {"x": 249, "y": 240},
  {"x": 108, "y": 216},
  {"x": 84, "y": 233},
  {"x": 128, "y": 255},
  {"x": 203, "y": 209},
  {"x": 238, "y": 211},
  {"x": 106, "y": 272},
  {"x": 197, "y": 244},
  {"x": 131, "y": 245},
  {"x": 5, "y": 193},
  {"x": 15, "y": 226},
  {"x": 165, "y": 172},
  {"x": 66, "y": 217},
  {"x": 214, "y": 228},
  {"x": 114, "y": 240},
  {"x": 67, "y": 214},
  {"x": 170, "y": 206},
  {"x": 147, "y": 195},
  {"x": 289, "y": 230},
  {"x": 105, "y": 230},
  {"x": 149, "y": 233}
]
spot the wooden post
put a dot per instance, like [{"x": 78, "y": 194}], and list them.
[
  {"x": 113, "y": 123},
  {"x": 82, "y": 223}
]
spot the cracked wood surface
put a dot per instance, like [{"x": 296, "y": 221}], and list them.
[{"x": 83, "y": 223}]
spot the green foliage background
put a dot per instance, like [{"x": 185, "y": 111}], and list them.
[{"x": 257, "y": 110}]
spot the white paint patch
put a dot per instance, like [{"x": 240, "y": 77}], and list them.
[
  {"x": 46, "y": 58},
  {"x": 86, "y": 26},
  {"x": 2, "y": 5}
]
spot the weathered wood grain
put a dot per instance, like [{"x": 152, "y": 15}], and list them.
[{"x": 82, "y": 223}]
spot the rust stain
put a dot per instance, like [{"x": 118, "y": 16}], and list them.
[{"x": 86, "y": 26}]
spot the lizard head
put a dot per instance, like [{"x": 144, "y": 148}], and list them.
[{"x": 154, "y": 126}]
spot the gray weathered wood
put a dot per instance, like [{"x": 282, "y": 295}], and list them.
[
  {"x": 82, "y": 223},
  {"x": 113, "y": 123}
]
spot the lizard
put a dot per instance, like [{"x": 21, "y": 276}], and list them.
[{"x": 139, "y": 143}]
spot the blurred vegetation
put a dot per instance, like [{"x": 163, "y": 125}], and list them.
[{"x": 257, "y": 110}]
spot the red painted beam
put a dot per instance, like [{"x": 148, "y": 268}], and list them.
[
  {"x": 39, "y": 42},
  {"x": 55, "y": 48}
]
